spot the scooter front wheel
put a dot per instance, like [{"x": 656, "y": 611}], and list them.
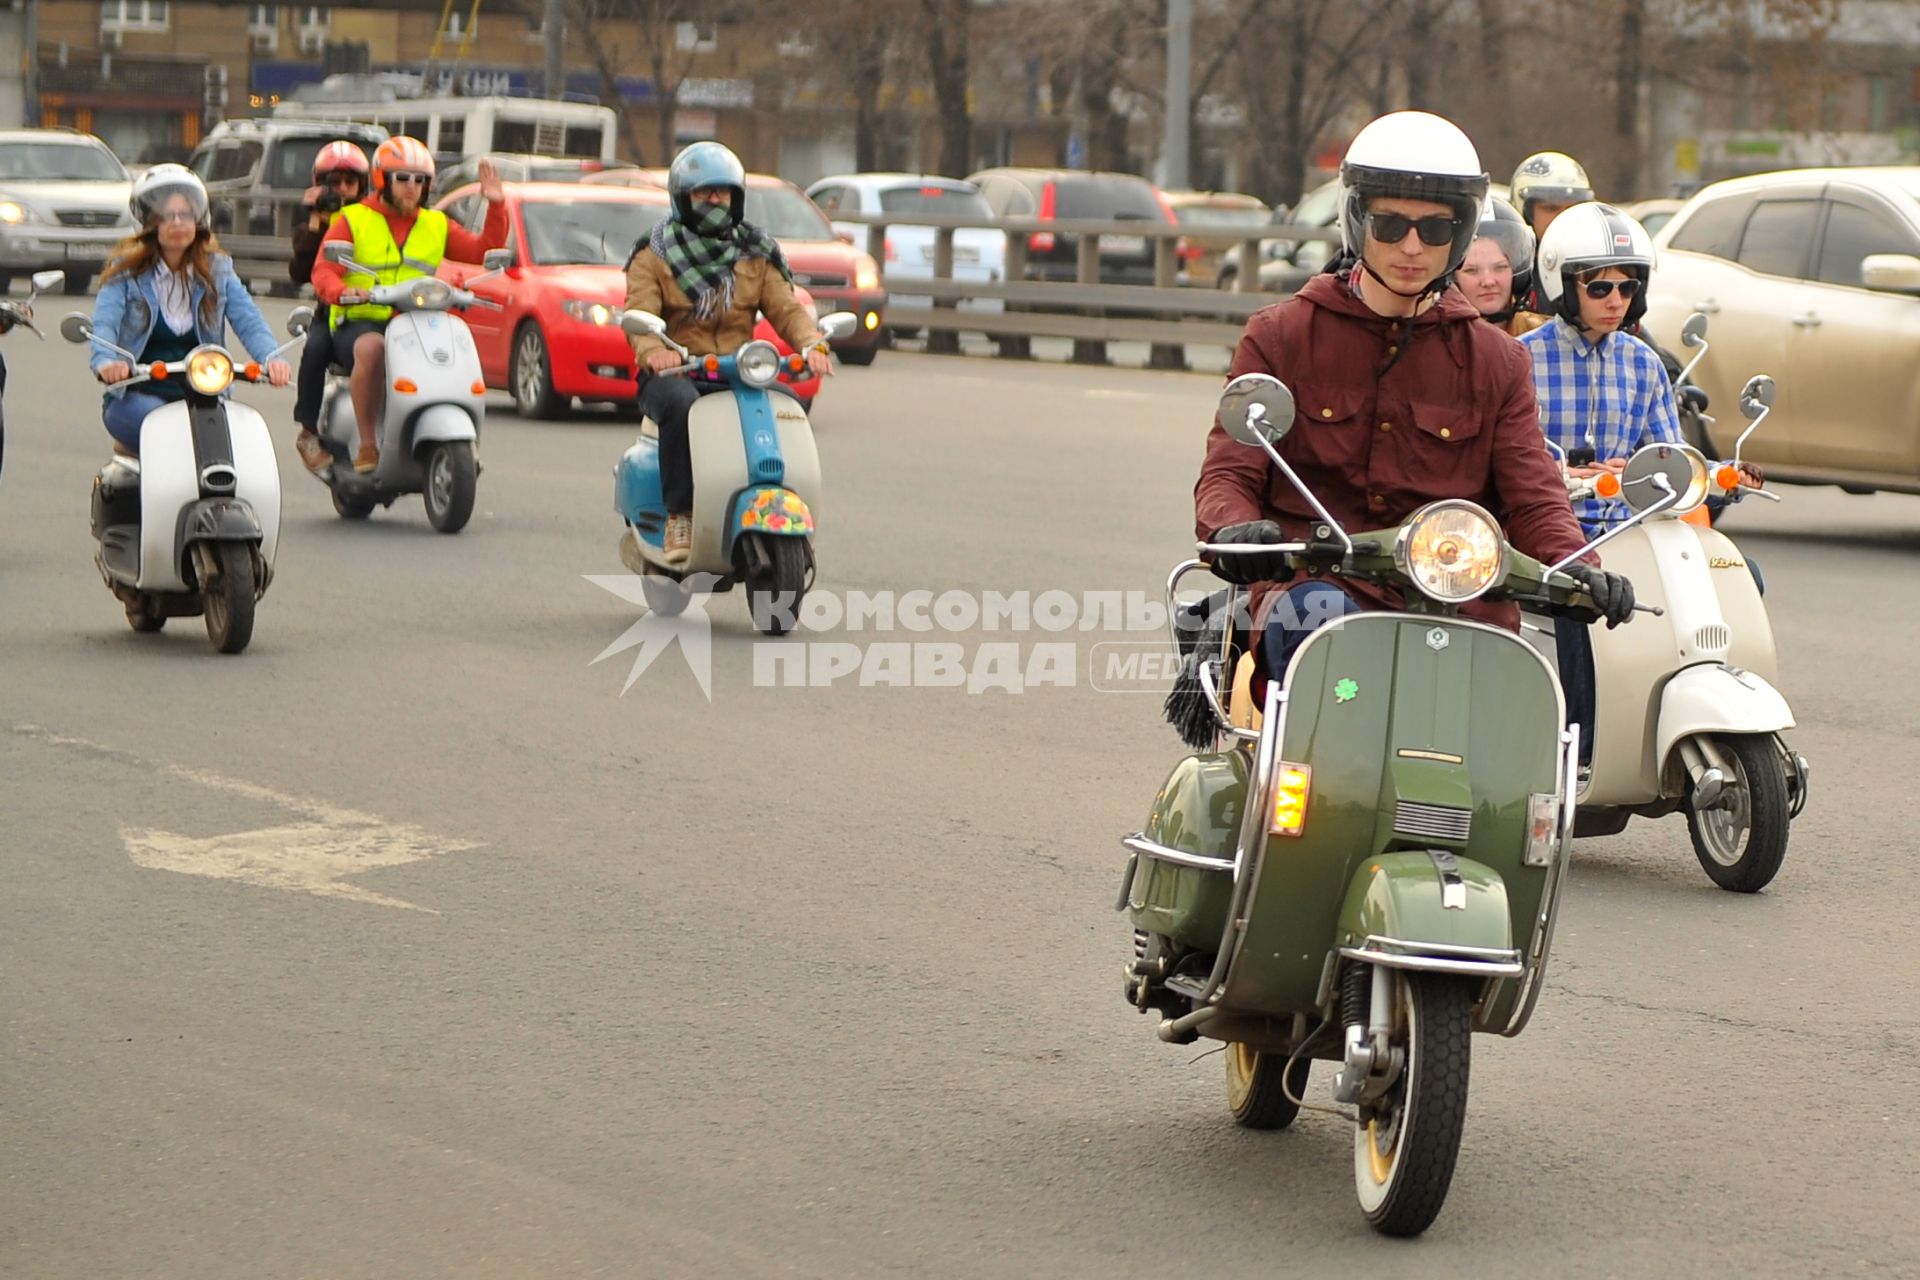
[
  {"x": 452, "y": 481},
  {"x": 1407, "y": 1140},
  {"x": 1258, "y": 1085},
  {"x": 773, "y": 594},
  {"x": 229, "y": 598},
  {"x": 1741, "y": 839}
]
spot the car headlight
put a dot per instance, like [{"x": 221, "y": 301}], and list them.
[
  {"x": 1453, "y": 551},
  {"x": 209, "y": 371},
  {"x": 758, "y": 364},
  {"x": 12, "y": 212},
  {"x": 867, "y": 274},
  {"x": 429, "y": 294},
  {"x": 596, "y": 313}
]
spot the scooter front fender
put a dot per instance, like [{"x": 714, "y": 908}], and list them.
[
  {"x": 771, "y": 510},
  {"x": 219, "y": 520},
  {"x": 1429, "y": 911},
  {"x": 1716, "y": 698},
  {"x": 441, "y": 423}
]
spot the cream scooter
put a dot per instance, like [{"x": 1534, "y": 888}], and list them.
[{"x": 1687, "y": 714}]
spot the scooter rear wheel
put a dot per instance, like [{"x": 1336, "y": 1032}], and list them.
[
  {"x": 1257, "y": 1085},
  {"x": 1742, "y": 840},
  {"x": 347, "y": 509},
  {"x": 1407, "y": 1142}
]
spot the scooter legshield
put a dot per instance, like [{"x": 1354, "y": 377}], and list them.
[
  {"x": 1198, "y": 811},
  {"x": 1422, "y": 733},
  {"x": 172, "y": 440}
]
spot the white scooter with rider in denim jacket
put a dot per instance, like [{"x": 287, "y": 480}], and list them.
[{"x": 1681, "y": 717}]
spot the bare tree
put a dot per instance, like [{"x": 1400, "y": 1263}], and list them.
[
  {"x": 1299, "y": 71},
  {"x": 948, "y": 33}
]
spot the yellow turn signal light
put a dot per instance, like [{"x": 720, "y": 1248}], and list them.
[
  {"x": 1291, "y": 784},
  {"x": 405, "y": 386}
]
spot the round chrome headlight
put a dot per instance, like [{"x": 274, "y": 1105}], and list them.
[
  {"x": 758, "y": 364},
  {"x": 209, "y": 371},
  {"x": 1681, "y": 466},
  {"x": 429, "y": 294},
  {"x": 1453, "y": 550}
]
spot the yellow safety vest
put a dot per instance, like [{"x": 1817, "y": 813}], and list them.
[{"x": 373, "y": 247}]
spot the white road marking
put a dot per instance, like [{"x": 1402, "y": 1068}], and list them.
[{"x": 312, "y": 856}]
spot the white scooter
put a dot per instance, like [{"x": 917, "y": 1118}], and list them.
[
  {"x": 434, "y": 402},
  {"x": 190, "y": 526},
  {"x": 1687, "y": 715}
]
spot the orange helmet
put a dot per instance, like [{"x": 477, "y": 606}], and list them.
[
  {"x": 401, "y": 155},
  {"x": 339, "y": 157}
]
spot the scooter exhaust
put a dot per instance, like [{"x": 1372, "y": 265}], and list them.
[{"x": 1184, "y": 1030}]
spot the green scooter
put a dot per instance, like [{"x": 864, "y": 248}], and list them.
[{"x": 1366, "y": 871}]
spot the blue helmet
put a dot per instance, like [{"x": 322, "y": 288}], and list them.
[{"x": 706, "y": 164}]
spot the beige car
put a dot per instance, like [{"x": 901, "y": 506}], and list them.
[
  {"x": 1215, "y": 221},
  {"x": 1812, "y": 276}
]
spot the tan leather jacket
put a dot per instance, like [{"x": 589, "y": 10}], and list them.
[{"x": 758, "y": 287}]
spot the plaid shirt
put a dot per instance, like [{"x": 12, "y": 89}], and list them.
[{"x": 1617, "y": 391}]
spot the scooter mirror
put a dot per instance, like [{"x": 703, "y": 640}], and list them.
[
  {"x": 497, "y": 259},
  {"x": 336, "y": 250},
  {"x": 1694, "y": 331},
  {"x": 642, "y": 323},
  {"x": 299, "y": 320},
  {"x": 839, "y": 324},
  {"x": 77, "y": 326},
  {"x": 1684, "y": 467},
  {"x": 1256, "y": 408},
  {"x": 1756, "y": 397},
  {"x": 45, "y": 280}
]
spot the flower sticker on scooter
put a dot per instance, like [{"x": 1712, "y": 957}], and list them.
[
  {"x": 777, "y": 511},
  {"x": 1345, "y": 691}
]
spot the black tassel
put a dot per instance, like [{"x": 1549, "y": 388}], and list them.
[{"x": 1202, "y": 627}]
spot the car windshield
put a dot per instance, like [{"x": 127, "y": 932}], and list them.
[
  {"x": 1209, "y": 215},
  {"x": 599, "y": 233},
  {"x": 1103, "y": 197},
  {"x": 785, "y": 214},
  {"x": 69, "y": 162},
  {"x": 959, "y": 202}
]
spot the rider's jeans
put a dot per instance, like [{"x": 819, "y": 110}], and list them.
[
  {"x": 668, "y": 401},
  {"x": 1298, "y": 613},
  {"x": 315, "y": 356},
  {"x": 125, "y": 413},
  {"x": 1573, "y": 644}
]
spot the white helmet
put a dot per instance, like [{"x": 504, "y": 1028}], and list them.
[
  {"x": 151, "y": 189},
  {"x": 1413, "y": 155},
  {"x": 1591, "y": 237},
  {"x": 1548, "y": 175}
]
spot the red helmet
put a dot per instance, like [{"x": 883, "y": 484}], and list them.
[
  {"x": 401, "y": 155},
  {"x": 339, "y": 157}
]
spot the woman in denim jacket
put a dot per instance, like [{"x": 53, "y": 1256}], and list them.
[{"x": 167, "y": 290}]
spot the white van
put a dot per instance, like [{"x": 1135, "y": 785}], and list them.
[{"x": 453, "y": 127}]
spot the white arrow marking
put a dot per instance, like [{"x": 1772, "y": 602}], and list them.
[{"x": 313, "y": 856}]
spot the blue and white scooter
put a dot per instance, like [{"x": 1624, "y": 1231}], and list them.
[{"x": 756, "y": 479}]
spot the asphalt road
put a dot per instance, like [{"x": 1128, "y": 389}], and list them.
[{"x": 405, "y": 944}]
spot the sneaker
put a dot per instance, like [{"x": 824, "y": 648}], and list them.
[
  {"x": 367, "y": 459},
  {"x": 312, "y": 452},
  {"x": 677, "y": 544}
]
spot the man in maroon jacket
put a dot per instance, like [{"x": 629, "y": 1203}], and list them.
[{"x": 1403, "y": 397}]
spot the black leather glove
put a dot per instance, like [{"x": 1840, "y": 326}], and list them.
[
  {"x": 1244, "y": 567},
  {"x": 1612, "y": 593}
]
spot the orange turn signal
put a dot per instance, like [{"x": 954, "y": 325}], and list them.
[
  {"x": 1607, "y": 486},
  {"x": 158, "y": 372},
  {"x": 713, "y": 364},
  {"x": 478, "y": 388},
  {"x": 253, "y": 371},
  {"x": 1727, "y": 478},
  {"x": 405, "y": 386}
]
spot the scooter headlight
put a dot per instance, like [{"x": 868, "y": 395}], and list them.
[
  {"x": 209, "y": 371},
  {"x": 758, "y": 364},
  {"x": 1453, "y": 551},
  {"x": 428, "y": 294}
]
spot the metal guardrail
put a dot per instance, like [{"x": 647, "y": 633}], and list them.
[{"x": 1166, "y": 315}]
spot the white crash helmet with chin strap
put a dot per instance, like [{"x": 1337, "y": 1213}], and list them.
[
  {"x": 151, "y": 189},
  {"x": 1412, "y": 155},
  {"x": 1592, "y": 237}
]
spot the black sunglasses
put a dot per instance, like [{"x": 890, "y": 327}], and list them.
[
  {"x": 1597, "y": 289},
  {"x": 1391, "y": 228}
]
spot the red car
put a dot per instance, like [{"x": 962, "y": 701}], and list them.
[
  {"x": 569, "y": 241},
  {"x": 840, "y": 277}
]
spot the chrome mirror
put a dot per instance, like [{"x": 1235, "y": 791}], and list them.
[
  {"x": 497, "y": 259},
  {"x": 1756, "y": 397},
  {"x": 77, "y": 326},
  {"x": 839, "y": 324},
  {"x": 642, "y": 323},
  {"x": 45, "y": 280},
  {"x": 1256, "y": 409},
  {"x": 1681, "y": 469},
  {"x": 336, "y": 250},
  {"x": 299, "y": 320},
  {"x": 1694, "y": 331}
]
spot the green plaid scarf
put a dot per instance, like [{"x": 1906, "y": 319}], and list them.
[{"x": 701, "y": 256}]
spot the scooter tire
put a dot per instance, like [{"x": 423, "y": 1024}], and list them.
[
  {"x": 1258, "y": 1085},
  {"x": 773, "y": 598},
  {"x": 1760, "y": 778},
  {"x": 347, "y": 509},
  {"x": 229, "y": 600},
  {"x": 451, "y": 484},
  {"x": 1402, "y": 1188},
  {"x": 145, "y": 617}
]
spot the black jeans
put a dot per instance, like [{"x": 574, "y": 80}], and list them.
[
  {"x": 1573, "y": 644},
  {"x": 325, "y": 347},
  {"x": 668, "y": 401}
]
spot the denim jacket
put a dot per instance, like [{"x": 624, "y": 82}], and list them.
[{"x": 128, "y": 308}]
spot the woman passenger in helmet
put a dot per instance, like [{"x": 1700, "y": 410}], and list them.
[
  {"x": 1498, "y": 268},
  {"x": 166, "y": 290}
]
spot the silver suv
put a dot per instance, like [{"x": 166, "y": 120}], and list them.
[
  {"x": 257, "y": 170},
  {"x": 63, "y": 204}
]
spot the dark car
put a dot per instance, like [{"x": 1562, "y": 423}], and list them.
[{"x": 1078, "y": 194}]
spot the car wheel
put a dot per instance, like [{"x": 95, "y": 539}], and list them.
[
  {"x": 859, "y": 355},
  {"x": 532, "y": 375}
]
